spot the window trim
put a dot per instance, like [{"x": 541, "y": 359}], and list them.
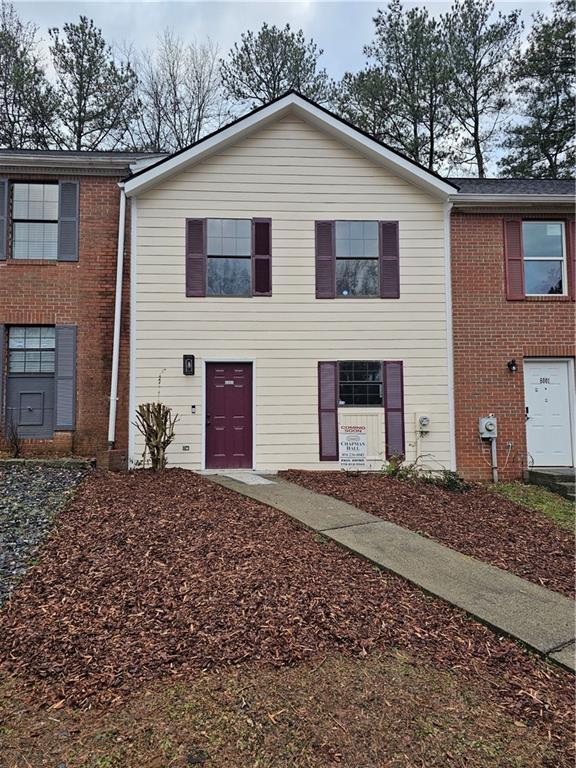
[
  {"x": 29, "y": 349},
  {"x": 12, "y": 220},
  {"x": 376, "y": 258},
  {"x": 381, "y": 384},
  {"x": 563, "y": 259}
]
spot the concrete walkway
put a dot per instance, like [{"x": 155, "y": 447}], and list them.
[{"x": 538, "y": 617}]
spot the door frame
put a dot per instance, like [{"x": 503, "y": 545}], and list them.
[
  {"x": 228, "y": 360},
  {"x": 569, "y": 361}
]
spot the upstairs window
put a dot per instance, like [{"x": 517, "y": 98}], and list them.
[
  {"x": 31, "y": 349},
  {"x": 356, "y": 247},
  {"x": 544, "y": 251},
  {"x": 360, "y": 383},
  {"x": 35, "y": 221},
  {"x": 229, "y": 257}
]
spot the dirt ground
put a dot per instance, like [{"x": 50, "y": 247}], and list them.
[{"x": 160, "y": 598}]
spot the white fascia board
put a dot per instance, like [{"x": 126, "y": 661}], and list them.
[
  {"x": 463, "y": 200},
  {"x": 312, "y": 114}
]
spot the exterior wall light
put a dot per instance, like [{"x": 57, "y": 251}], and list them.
[{"x": 512, "y": 365}]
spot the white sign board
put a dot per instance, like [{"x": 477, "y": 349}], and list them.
[{"x": 352, "y": 446}]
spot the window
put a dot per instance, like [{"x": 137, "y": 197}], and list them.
[
  {"x": 544, "y": 257},
  {"x": 31, "y": 349},
  {"x": 229, "y": 257},
  {"x": 357, "y": 258},
  {"x": 360, "y": 383},
  {"x": 35, "y": 221}
]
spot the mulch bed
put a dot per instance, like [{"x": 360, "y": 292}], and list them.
[
  {"x": 152, "y": 575},
  {"x": 476, "y": 522},
  {"x": 31, "y": 495}
]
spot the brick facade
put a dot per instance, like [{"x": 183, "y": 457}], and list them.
[
  {"x": 489, "y": 331},
  {"x": 80, "y": 293}
]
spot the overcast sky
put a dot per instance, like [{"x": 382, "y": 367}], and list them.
[{"x": 340, "y": 28}]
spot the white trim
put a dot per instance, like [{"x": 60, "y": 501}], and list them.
[
  {"x": 404, "y": 167},
  {"x": 117, "y": 321},
  {"x": 449, "y": 332},
  {"x": 463, "y": 199},
  {"x": 563, "y": 258},
  {"x": 571, "y": 398},
  {"x": 206, "y": 360},
  {"x": 132, "y": 376}
]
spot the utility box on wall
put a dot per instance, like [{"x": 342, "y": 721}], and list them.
[{"x": 488, "y": 427}]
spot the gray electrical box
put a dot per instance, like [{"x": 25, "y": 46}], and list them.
[{"x": 488, "y": 427}]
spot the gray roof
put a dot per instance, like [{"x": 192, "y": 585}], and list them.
[
  {"x": 514, "y": 186},
  {"x": 83, "y": 154}
]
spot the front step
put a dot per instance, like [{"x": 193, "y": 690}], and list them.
[{"x": 561, "y": 480}]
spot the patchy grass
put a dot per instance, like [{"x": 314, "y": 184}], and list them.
[
  {"x": 555, "y": 507},
  {"x": 393, "y": 711}
]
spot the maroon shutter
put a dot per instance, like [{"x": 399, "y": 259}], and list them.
[
  {"x": 514, "y": 259},
  {"x": 261, "y": 257},
  {"x": 328, "y": 410},
  {"x": 571, "y": 257},
  {"x": 393, "y": 378},
  {"x": 195, "y": 257},
  {"x": 389, "y": 260},
  {"x": 325, "y": 260}
]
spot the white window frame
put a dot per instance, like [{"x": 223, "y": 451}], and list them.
[{"x": 544, "y": 258}]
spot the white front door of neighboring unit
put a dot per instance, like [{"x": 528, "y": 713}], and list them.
[{"x": 549, "y": 402}]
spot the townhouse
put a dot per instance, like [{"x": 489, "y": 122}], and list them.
[{"x": 290, "y": 280}]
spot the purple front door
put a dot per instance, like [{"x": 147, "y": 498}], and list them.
[{"x": 229, "y": 416}]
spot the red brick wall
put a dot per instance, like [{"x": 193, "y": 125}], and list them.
[
  {"x": 489, "y": 331},
  {"x": 80, "y": 293}
]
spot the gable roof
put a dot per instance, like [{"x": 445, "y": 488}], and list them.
[{"x": 313, "y": 113}]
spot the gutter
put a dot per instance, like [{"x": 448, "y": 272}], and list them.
[
  {"x": 117, "y": 320},
  {"x": 449, "y": 332}
]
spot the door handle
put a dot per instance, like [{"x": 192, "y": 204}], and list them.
[
  {"x": 208, "y": 422},
  {"x": 526, "y": 415}
]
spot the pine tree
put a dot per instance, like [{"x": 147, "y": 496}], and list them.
[
  {"x": 94, "y": 94},
  {"x": 543, "y": 143},
  {"x": 272, "y": 61}
]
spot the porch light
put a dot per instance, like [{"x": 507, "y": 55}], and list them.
[{"x": 512, "y": 365}]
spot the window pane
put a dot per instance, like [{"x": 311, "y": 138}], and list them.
[
  {"x": 542, "y": 239},
  {"x": 543, "y": 277},
  {"x": 35, "y": 241},
  {"x": 357, "y": 277},
  {"x": 229, "y": 237},
  {"x": 356, "y": 239},
  {"x": 360, "y": 383},
  {"x": 229, "y": 277},
  {"x": 16, "y": 338},
  {"x": 47, "y": 362},
  {"x": 35, "y": 201},
  {"x": 16, "y": 362}
]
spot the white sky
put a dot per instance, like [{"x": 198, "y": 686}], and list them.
[{"x": 340, "y": 28}]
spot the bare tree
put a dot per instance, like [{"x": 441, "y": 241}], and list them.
[{"x": 179, "y": 95}]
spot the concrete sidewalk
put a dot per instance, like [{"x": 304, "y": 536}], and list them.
[{"x": 538, "y": 617}]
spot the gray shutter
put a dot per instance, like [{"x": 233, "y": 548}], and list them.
[
  {"x": 393, "y": 378},
  {"x": 2, "y": 373},
  {"x": 328, "y": 410},
  {"x": 3, "y": 219},
  {"x": 195, "y": 257},
  {"x": 325, "y": 260},
  {"x": 389, "y": 260},
  {"x": 65, "y": 377},
  {"x": 68, "y": 221}
]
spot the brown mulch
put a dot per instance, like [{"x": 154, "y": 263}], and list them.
[
  {"x": 149, "y": 575},
  {"x": 476, "y": 522}
]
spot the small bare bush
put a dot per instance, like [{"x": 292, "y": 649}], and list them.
[{"x": 156, "y": 423}]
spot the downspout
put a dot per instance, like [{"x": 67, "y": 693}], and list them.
[
  {"x": 449, "y": 330},
  {"x": 117, "y": 320}
]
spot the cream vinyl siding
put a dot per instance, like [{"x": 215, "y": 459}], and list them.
[{"x": 294, "y": 174}]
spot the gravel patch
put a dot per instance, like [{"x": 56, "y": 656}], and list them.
[{"x": 30, "y": 498}]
